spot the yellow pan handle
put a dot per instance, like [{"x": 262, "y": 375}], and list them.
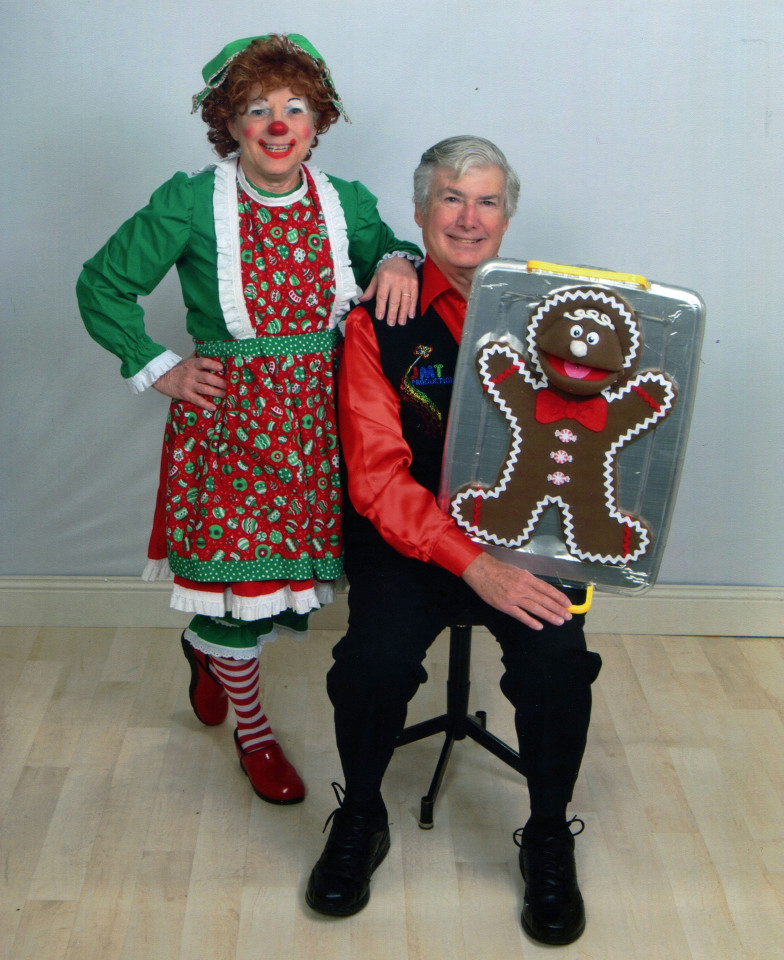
[
  {"x": 586, "y": 606},
  {"x": 588, "y": 273}
]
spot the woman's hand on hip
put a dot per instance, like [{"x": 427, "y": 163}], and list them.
[{"x": 196, "y": 380}]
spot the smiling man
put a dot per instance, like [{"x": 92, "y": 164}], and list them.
[
  {"x": 412, "y": 571},
  {"x": 463, "y": 221}
]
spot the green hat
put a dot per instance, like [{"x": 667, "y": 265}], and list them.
[{"x": 215, "y": 71}]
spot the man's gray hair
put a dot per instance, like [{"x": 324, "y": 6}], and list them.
[{"x": 460, "y": 154}]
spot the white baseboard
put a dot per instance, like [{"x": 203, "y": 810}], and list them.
[{"x": 690, "y": 610}]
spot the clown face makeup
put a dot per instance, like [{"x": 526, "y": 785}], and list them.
[{"x": 275, "y": 134}]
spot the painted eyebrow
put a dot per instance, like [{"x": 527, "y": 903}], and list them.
[{"x": 259, "y": 100}]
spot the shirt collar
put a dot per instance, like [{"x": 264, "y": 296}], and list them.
[{"x": 450, "y": 304}]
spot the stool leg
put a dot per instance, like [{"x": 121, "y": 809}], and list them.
[
  {"x": 458, "y": 682},
  {"x": 456, "y": 723},
  {"x": 428, "y": 802},
  {"x": 458, "y": 685}
]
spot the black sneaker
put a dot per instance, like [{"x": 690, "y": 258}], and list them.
[
  {"x": 553, "y": 909},
  {"x": 339, "y": 884}
]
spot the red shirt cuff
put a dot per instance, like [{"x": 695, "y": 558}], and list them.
[{"x": 455, "y": 551}]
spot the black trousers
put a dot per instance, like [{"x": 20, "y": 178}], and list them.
[{"x": 397, "y": 607}]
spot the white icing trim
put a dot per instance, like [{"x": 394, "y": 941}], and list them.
[
  {"x": 229, "y": 269},
  {"x": 156, "y": 368},
  {"x": 514, "y": 447},
  {"x": 596, "y": 295},
  {"x": 544, "y": 502},
  {"x": 346, "y": 288},
  {"x": 642, "y": 426}
]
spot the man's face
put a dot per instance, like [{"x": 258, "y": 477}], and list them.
[{"x": 464, "y": 222}]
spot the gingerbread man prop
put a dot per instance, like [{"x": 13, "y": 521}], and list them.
[{"x": 570, "y": 413}]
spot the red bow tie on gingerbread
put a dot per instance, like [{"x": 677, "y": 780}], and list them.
[
  {"x": 591, "y": 412},
  {"x": 584, "y": 345}
]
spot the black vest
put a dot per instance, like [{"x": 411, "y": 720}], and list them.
[{"x": 419, "y": 360}]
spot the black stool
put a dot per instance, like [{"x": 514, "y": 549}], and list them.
[{"x": 456, "y": 723}]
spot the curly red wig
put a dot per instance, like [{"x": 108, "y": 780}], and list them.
[{"x": 267, "y": 65}]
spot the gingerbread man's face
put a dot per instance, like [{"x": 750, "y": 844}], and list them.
[{"x": 582, "y": 340}]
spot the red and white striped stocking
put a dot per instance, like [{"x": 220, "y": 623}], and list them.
[{"x": 240, "y": 679}]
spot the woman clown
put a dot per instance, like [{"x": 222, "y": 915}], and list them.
[{"x": 269, "y": 251}]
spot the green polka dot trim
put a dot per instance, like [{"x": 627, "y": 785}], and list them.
[
  {"x": 271, "y": 568},
  {"x": 320, "y": 341}
]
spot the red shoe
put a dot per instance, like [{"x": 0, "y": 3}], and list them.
[
  {"x": 208, "y": 698},
  {"x": 271, "y": 775}
]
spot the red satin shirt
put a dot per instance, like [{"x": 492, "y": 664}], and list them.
[{"x": 378, "y": 458}]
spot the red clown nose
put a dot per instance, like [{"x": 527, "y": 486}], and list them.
[{"x": 278, "y": 128}]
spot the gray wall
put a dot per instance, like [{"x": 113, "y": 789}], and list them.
[{"x": 648, "y": 136}]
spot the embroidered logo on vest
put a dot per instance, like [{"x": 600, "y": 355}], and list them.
[{"x": 421, "y": 374}]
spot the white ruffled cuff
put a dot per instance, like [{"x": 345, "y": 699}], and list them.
[
  {"x": 400, "y": 253},
  {"x": 156, "y": 368},
  {"x": 157, "y": 570}
]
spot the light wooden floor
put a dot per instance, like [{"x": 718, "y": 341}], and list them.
[{"x": 127, "y": 830}]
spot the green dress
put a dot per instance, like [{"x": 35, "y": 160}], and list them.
[{"x": 248, "y": 513}]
